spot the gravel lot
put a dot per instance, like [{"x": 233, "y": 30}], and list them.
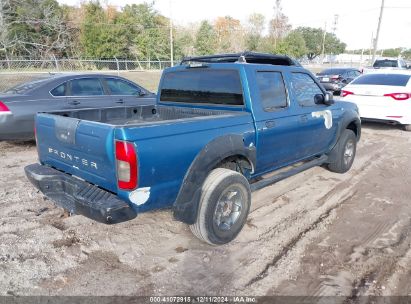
[{"x": 317, "y": 233}]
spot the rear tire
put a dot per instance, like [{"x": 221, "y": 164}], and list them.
[
  {"x": 345, "y": 150},
  {"x": 223, "y": 207},
  {"x": 407, "y": 127}
]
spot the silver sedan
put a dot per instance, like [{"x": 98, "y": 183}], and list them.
[{"x": 19, "y": 104}]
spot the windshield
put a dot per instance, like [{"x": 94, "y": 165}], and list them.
[
  {"x": 23, "y": 88},
  {"x": 400, "y": 80}
]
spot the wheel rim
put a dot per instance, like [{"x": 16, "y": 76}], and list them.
[
  {"x": 348, "y": 152},
  {"x": 229, "y": 207}
]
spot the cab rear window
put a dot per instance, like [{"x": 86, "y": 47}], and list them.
[
  {"x": 385, "y": 64},
  {"x": 202, "y": 86},
  {"x": 383, "y": 79}
]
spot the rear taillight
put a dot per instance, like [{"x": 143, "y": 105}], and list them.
[
  {"x": 3, "y": 107},
  {"x": 346, "y": 93},
  {"x": 399, "y": 96},
  {"x": 335, "y": 77},
  {"x": 126, "y": 162}
]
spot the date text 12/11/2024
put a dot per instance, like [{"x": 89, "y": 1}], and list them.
[{"x": 203, "y": 299}]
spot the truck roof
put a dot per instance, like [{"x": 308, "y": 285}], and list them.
[{"x": 244, "y": 57}]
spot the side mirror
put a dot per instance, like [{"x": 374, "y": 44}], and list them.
[
  {"x": 329, "y": 98},
  {"x": 326, "y": 99},
  {"x": 319, "y": 98}
]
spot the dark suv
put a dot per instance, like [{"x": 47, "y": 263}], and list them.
[{"x": 335, "y": 79}]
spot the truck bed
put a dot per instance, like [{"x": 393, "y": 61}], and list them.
[{"x": 132, "y": 115}]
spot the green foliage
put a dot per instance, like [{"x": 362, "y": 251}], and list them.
[
  {"x": 33, "y": 28},
  {"x": 254, "y": 39},
  {"x": 43, "y": 28},
  {"x": 101, "y": 35},
  {"x": 293, "y": 45},
  {"x": 313, "y": 38},
  {"x": 406, "y": 54},
  {"x": 392, "y": 52},
  {"x": 147, "y": 32},
  {"x": 205, "y": 39},
  {"x": 183, "y": 43}
]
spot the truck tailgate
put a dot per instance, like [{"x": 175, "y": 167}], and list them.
[{"x": 81, "y": 148}]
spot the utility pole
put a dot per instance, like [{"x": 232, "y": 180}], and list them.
[
  {"x": 335, "y": 23},
  {"x": 171, "y": 38},
  {"x": 378, "y": 33},
  {"x": 323, "y": 48}
]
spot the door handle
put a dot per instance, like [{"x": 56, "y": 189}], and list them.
[
  {"x": 120, "y": 100},
  {"x": 74, "y": 102},
  {"x": 304, "y": 118},
  {"x": 270, "y": 123}
]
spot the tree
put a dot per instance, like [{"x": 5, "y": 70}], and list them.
[
  {"x": 278, "y": 26},
  {"x": 406, "y": 53},
  {"x": 7, "y": 42},
  {"x": 228, "y": 31},
  {"x": 147, "y": 31},
  {"x": 392, "y": 52},
  {"x": 205, "y": 39},
  {"x": 184, "y": 41},
  {"x": 32, "y": 28},
  {"x": 293, "y": 45},
  {"x": 313, "y": 38},
  {"x": 101, "y": 36},
  {"x": 255, "y": 31}
]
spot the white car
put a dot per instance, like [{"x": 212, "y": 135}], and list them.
[{"x": 382, "y": 96}]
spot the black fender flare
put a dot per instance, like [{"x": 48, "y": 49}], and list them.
[
  {"x": 186, "y": 205},
  {"x": 349, "y": 118}
]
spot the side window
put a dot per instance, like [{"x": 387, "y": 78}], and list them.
[
  {"x": 59, "y": 91},
  {"x": 304, "y": 89},
  {"x": 121, "y": 87},
  {"x": 272, "y": 90},
  {"x": 86, "y": 87}
]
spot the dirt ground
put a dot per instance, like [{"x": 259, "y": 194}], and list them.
[{"x": 317, "y": 233}]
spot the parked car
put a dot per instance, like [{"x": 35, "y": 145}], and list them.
[
  {"x": 387, "y": 64},
  {"x": 390, "y": 63},
  {"x": 220, "y": 125},
  {"x": 334, "y": 79},
  {"x": 382, "y": 96},
  {"x": 19, "y": 104}
]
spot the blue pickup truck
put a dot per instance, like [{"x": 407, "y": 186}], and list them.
[{"x": 221, "y": 128}]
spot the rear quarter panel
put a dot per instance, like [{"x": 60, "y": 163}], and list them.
[{"x": 166, "y": 151}]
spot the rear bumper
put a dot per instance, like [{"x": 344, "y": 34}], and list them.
[
  {"x": 387, "y": 114},
  {"x": 79, "y": 197},
  {"x": 330, "y": 86}
]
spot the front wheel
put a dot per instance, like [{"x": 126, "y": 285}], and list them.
[
  {"x": 345, "y": 150},
  {"x": 223, "y": 207}
]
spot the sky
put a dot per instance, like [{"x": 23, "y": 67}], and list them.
[{"x": 357, "y": 20}]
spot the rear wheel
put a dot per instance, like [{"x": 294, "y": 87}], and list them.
[
  {"x": 223, "y": 208},
  {"x": 345, "y": 151}
]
